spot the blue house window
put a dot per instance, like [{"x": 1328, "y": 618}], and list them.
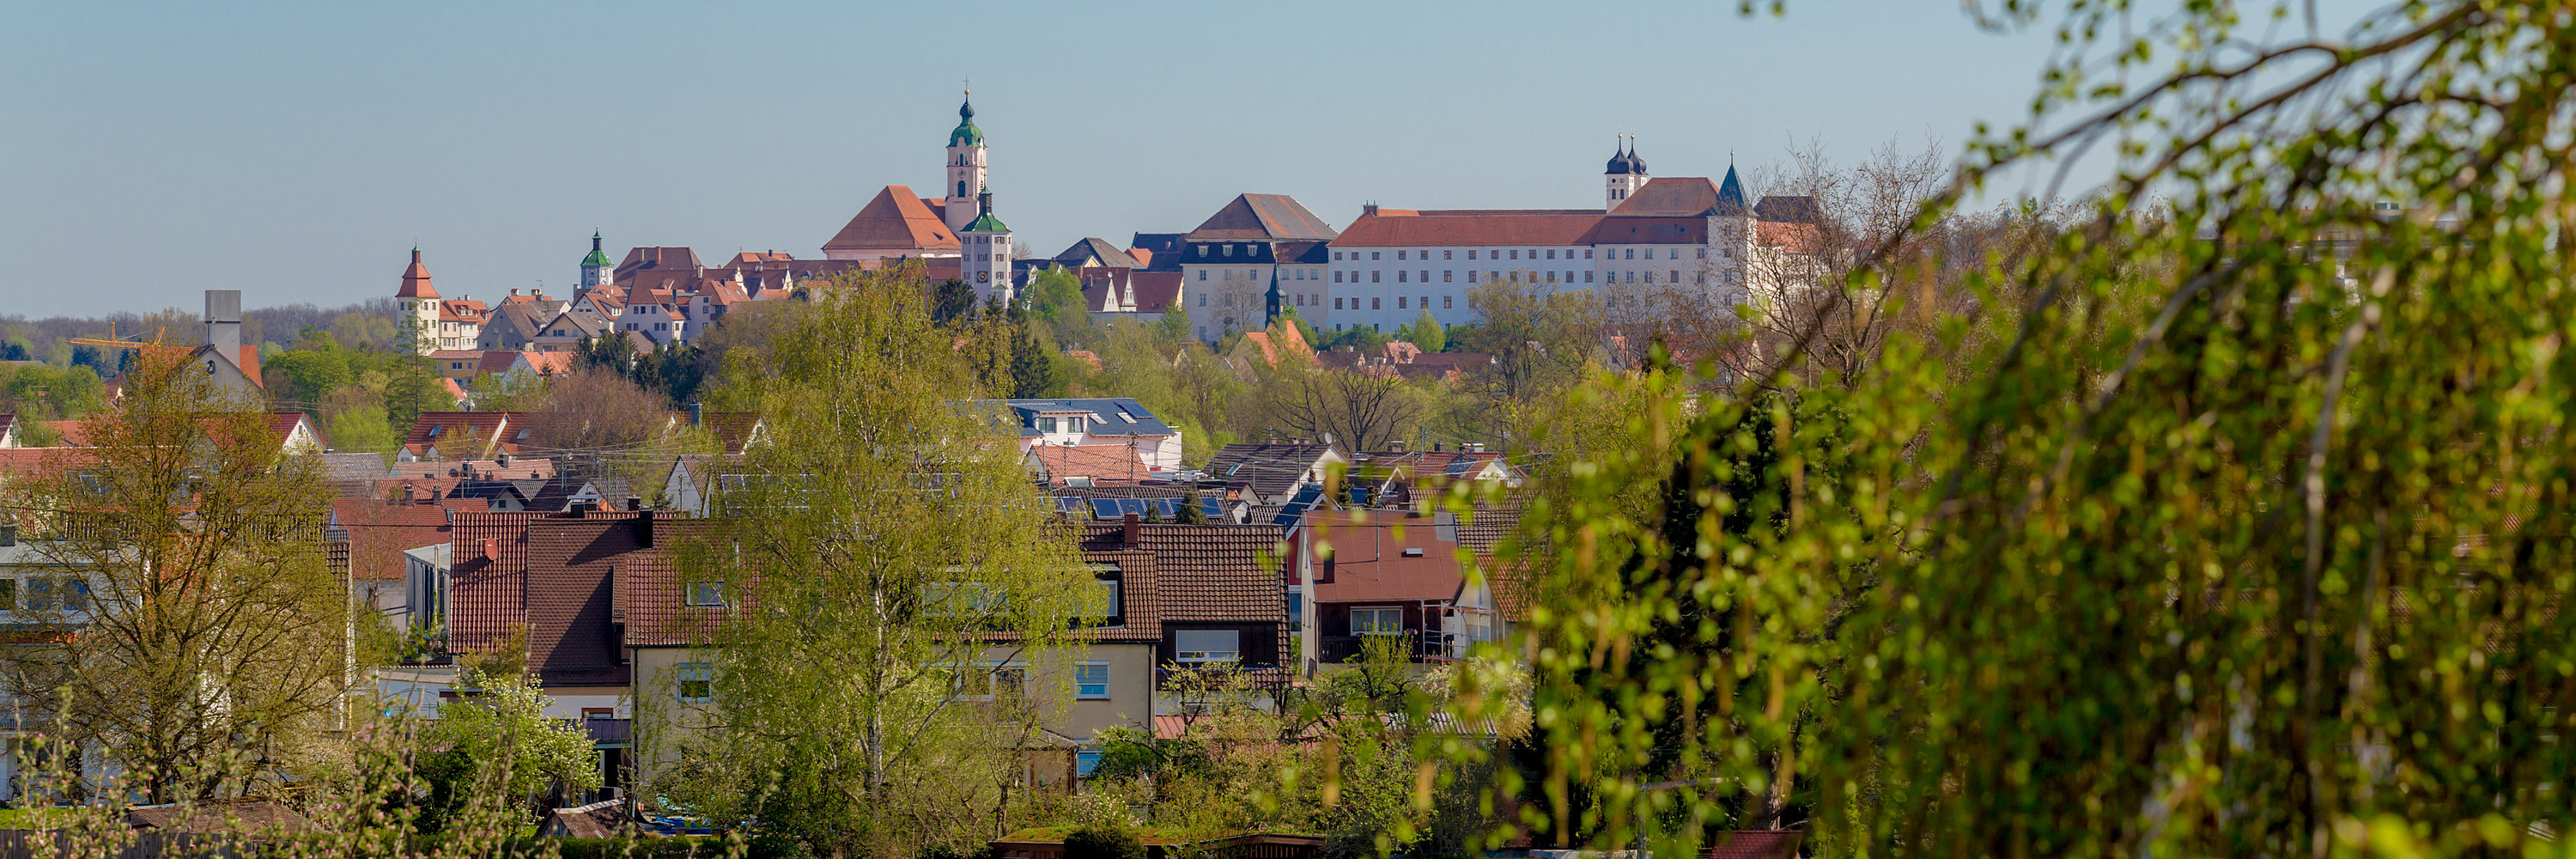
[{"x": 1084, "y": 762}]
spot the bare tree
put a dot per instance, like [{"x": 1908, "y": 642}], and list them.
[
  {"x": 187, "y": 626},
  {"x": 1358, "y": 409}
]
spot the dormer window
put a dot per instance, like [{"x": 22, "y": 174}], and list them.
[{"x": 1073, "y": 425}]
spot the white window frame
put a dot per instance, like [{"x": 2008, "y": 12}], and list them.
[
  {"x": 1384, "y": 620},
  {"x": 706, "y": 593},
  {"x": 1082, "y": 687},
  {"x": 1206, "y": 656},
  {"x": 695, "y": 672}
]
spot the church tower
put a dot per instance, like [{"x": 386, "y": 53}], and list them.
[
  {"x": 596, "y": 271},
  {"x": 986, "y": 246},
  {"x": 419, "y": 301},
  {"x": 965, "y": 167},
  {"x": 1626, "y": 174}
]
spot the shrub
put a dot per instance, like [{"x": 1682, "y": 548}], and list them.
[{"x": 1104, "y": 841}]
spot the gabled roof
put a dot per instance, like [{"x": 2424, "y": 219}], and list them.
[
  {"x": 446, "y": 431},
  {"x": 1205, "y": 573},
  {"x": 1684, "y": 197},
  {"x": 643, "y": 258},
  {"x": 1103, "y": 461},
  {"x": 1095, "y": 251},
  {"x": 379, "y": 534},
  {"x": 1270, "y": 469},
  {"x": 1789, "y": 209},
  {"x": 1155, "y": 290},
  {"x": 1262, "y": 217},
  {"x": 1649, "y": 231},
  {"x": 1108, "y": 415},
  {"x": 894, "y": 220},
  {"x": 1394, "y": 555}
]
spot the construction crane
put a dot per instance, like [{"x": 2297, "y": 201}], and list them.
[{"x": 112, "y": 343}]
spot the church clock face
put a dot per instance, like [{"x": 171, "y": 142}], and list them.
[{"x": 983, "y": 276}]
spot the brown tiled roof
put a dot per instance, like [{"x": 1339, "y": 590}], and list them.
[
  {"x": 1797, "y": 238},
  {"x": 1369, "y": 560},
  {"x": 1789, "y": 209},
  {"x": 641, "y": 259},
  {"x": 1205, "y": 573},
  {"x": 257, "y": 817},
  {"x": 655, "y": 600},
  {"x": 379, "y": 534},
  {"x": 487, "y": 579},
  {"x": 571, "y": 597},
  {"x": 895, "y": 220},
  {"x": 1671, "y": 197},
  {"x": 1270, "y": 469},
  {"x": 415, "y": 280},
  {"x": 1261, "y": 217},
  {"x": 1647, "y": 231},
  {"x": 1109, "y": 461},
  {"x": 1155, "y": 290},
  {"x": 1408, "y": 228},
  {"x": 446, "y": 431},
  {"x": 1756, "y": 844}
]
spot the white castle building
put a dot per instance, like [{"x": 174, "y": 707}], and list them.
[{"x": 1654, "y": 240}]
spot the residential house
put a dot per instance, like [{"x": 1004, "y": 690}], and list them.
[
  {"x": 462, "y": 435},
  {"x": 1259, "y": 253},
  {"x": 1271, "y": 474},
  {"x": 1093, "y": 421},
  {"x": 1362, "y": 574}
]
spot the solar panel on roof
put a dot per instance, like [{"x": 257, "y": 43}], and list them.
[
  {"x": 1304, "y": 500},
  {"x": 1105, "y": 508},
  {"x": 1168, "y": 508},
  {"x": 1213, "y": 507},
  {"x": 1067, "y": 505},
  {"x": 1131, "y": 505}
]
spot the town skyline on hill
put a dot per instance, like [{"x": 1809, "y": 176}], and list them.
[{"x": 496, "y": 150}]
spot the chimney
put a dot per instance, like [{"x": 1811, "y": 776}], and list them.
[
  {"x": 643, "y": 528},
  {"x": 633, "y": 503},
  {"x": 1135, "y": 529},
  {"x": 223, "y": 322},
  {"x": 1435, "y": 447},
  {"x": 1395, "y": 444},
  {"x": 1368, "y": 209}
]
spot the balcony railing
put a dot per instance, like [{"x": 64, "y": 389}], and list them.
[
  {"x": 1418, "y": 645},
  {"x": 609, "y": 732}
]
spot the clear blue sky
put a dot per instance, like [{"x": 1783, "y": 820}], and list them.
[{"x": 296, "y": 151}]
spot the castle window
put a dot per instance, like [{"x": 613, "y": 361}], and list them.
[
  {"x": 1399, "y": 302},
  {"x": 1374, "y": 255},
  {"x": 1337, "y": 303},
  {"x": 1516, "y": 253},
  {"x": 1447, "y": 275},
  {"x": 1551, "y": 253},
  {"x": 1703, "y": 253},
  {"x": 1225, "y": 250},
  {"x": 1399, "y": 254},
  {"x": 1375, "y": 303},
  {"x": 1632, "y": 253},
  {"x": 1444, "y": 302},
  {"x": 1399, "y": 276},
  {"x": 1448, "y": 254},
  {"x": 1471, "y": 253},
  {"x": 1375, "y": 276},
  {"x": 1587, "y": 253}
]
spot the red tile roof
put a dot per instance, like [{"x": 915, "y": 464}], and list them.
[
  {"x": 1651, "y": 231},
  {"x": 415, "y": 280},
  {"x": 894, "y": 220},
  {"x": 379, "y": 534},
  {"x": 1671, "y": 197},
  {"x": 1109, "y": 461},
  {"x": 449, "y": 432},
  {"x": 1155, "y": 290},
  {"x": 1261, "y": 217},
  {"x": 1756, "y": 844},
  {"x": 1205, "y": 573},
  {"x": 1369, "y": 559},
  {"x": 1407, "y": 228},
  {"x": 42, "y": 463}
]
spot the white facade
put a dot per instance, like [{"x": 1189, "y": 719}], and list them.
[
  {"x": 1390, "y": 287},
  {"x": 965, "y": 169},
  {"x": 1230, "y": 291}
]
